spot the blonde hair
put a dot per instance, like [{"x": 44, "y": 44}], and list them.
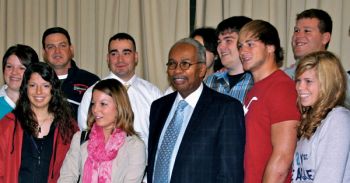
[
  {"x": 332, "y": 89},
  {"x": 125, "y": 116}
]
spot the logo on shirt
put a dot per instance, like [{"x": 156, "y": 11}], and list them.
[
  {"x": 246, "y": 107},
  {"x": 300, "y": 173},
  {"x": 80, "y": 88}
]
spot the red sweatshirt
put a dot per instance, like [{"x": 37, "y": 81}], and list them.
[{"x": 10, "y": 162}]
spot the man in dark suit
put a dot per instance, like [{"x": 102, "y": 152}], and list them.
[{"x": 209, "y": 146}]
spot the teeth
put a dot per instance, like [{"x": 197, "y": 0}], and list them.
[
  {"x": 245, "y": 58},
  {"x": 304, "y": 95},
  {"x": 15, "y": 78},
  {"x": 39, "y": 98},
  {"x": 223, "y": 53}
]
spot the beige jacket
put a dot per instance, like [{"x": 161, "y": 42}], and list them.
[{"x": 128, "y": 166}]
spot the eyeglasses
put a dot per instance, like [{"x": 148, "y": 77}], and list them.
[{"x": 183, "y": 65}]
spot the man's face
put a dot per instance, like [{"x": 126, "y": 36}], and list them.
[
  {"x": 122, "y": 58},
  {"x": 185, "y": 81},
  {"x": 307, "y": 37},
  {"x": 227, "y": 49},
  {"x": 57, "y": 52},
  {"x": 253, "y": 53}
]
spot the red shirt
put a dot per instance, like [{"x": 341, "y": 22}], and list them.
[
  {"x": 272, "y": 100},
  {"x": 11, "y": 162}
]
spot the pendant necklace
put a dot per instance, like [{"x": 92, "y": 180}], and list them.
[{"x": 44, "y": 121}]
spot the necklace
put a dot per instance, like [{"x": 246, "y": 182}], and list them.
[{"x": 46, "y": 120}]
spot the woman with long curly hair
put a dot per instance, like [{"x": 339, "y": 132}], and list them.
[
  {"x": 323, "y": 149},
  {"x": 113, "y": 152},
  {"x": 36, "y": 135}
]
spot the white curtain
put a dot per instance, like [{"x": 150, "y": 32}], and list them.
[
  {"x": 282, "y": 14},
  {"x": 155, "y": 25}
]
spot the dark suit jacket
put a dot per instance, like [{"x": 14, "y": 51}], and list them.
[{"x": 212, "y": 147}]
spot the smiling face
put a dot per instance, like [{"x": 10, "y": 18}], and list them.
[
  {"x": 227, "y": 50},
  {"x": 253, "y": 53},
  {"x": 307, "y": 37},
  {"x": 57, "y": 51},
  {"x": 185, "y": 81},
  {"x": 122, "y": 58},
  {"x": 39, "y": 92},
  {"x": 13, "y": 73},
  {"x": 308, "y": 86},
  {"x": 104, "y": 110}
]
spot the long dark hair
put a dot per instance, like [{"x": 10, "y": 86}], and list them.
[{"x": 58, "y": 105}]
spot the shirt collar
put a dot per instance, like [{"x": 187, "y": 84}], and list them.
[
  {"x": 3, "y": 90},
  {"x": 192, "y": 98},
  {"x": 130, "y": 82}
]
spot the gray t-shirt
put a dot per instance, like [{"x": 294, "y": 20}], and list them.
[{"x": 325, "y": 157}]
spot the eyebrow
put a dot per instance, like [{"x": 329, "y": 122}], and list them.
[
  {"x": 62, "y": 42},
  {"x": 124, "y": 50}
]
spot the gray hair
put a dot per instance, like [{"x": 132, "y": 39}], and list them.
[{"x": 199, "y": 47}]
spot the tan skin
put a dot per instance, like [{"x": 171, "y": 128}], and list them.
[
  {"x": 283, "y": 139},
  {"x": 228, "y": 52},
  {"x": 39, "y": 94},
  {"x": 104, "y": 110},
  {"x": 58, "y": 53},
  {"x": 260, "y": 60}
]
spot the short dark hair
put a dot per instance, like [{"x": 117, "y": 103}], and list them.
[
  {"x": 266, "y": 33},
  {"x": 122, "y": 36},
  {"x": 325, "y": 20},
  {"x": 24, "y": 53},
  {"x": 232, "y": 24},
  {"x": 55, "y": 30},
  {"x": 209, "y": 37}
]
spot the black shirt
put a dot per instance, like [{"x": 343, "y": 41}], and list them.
[
  {"x": 234, "y": 79},
  {"x": 36, "y": 156}
]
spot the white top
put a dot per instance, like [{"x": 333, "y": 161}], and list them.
[
  {"x": 325, "y": 157},
  {"x": 4, "y": 94},
  {"x": 192, "y": 100},
  {"x": 141, "y": 95}
]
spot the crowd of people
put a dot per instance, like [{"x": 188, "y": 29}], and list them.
[{"x": 230, "y": 114}]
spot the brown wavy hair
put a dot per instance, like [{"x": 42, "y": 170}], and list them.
[
  {"x": 58, "y": 104},
  {"x": 332, "y": 89},
  {"x": 125, "y": 115}
]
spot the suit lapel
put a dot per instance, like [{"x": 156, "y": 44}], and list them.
[{"x": 196, "y": 119}]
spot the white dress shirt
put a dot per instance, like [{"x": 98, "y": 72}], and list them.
[
  {"x": 192, "y": 100},
  {"x": 141, "y": 95}
]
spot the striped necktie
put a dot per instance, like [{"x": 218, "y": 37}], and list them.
[{"x": 161, "y": 170}]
